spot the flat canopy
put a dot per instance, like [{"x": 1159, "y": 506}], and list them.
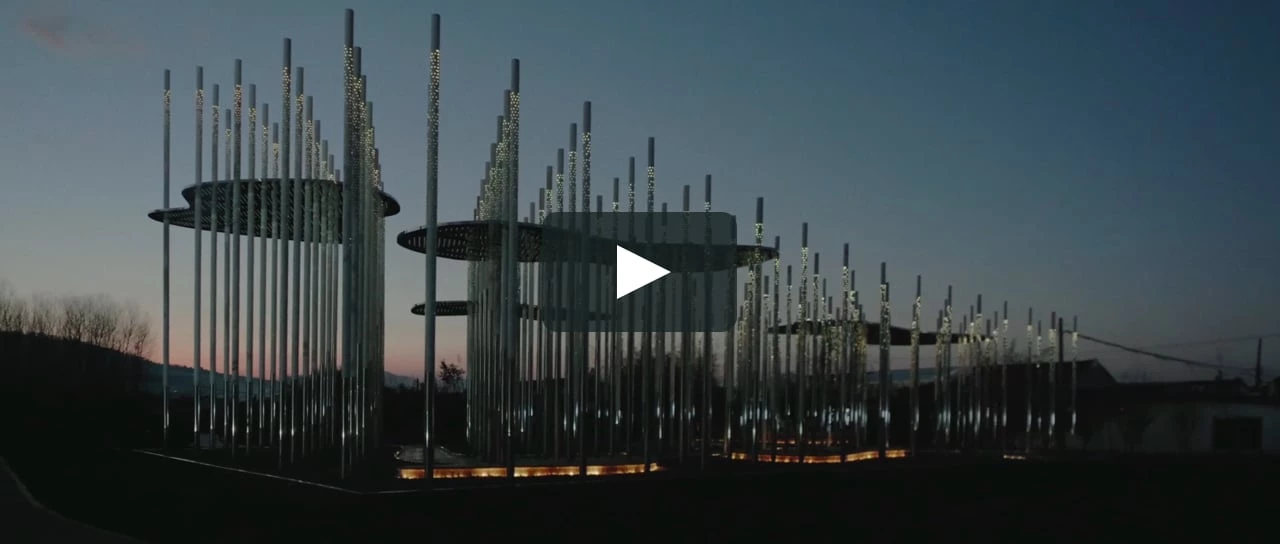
[
  {"x": 470, "y": 241},
  {"x": 325, "y": 196},
  {"x": 898, "y": 336},
  {"x": 456, "y": 308}
]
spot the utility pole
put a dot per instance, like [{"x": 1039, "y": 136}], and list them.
[{"x": 1257, "y": 367}]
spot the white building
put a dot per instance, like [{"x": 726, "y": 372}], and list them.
[{"x": 1188, "y": 417}]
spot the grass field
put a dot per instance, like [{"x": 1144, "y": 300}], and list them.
[{"x": 161, "y": 500}]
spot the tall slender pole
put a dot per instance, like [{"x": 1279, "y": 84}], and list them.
[
  {"x": 915, "y": 366},
  {"x": 255, "y": 214},
  {"x": 214, "y": 214},
  {"x": 646, "y": 367},
  {"x": 802, "y": 355},
  {"x": 296, "y": 237},
  {"x": 264, "y": 207},
  {"x": 1030, "y": 377},
  {"x": 947, "y": 412},
  {"x": 1005, "y": 357},
  {"x": 755, "y": 352},
  {"x": 350, "y": 174},
  {"x": 774, "y": 414},
  {"x": 1257, "y": 364},
  {"x": 285, "y": 236},
  {"x": 629, "y": 367},
  {"x": 1053, "y": 388},
  {"x": 886, "y": 386},
  {"x": 704, "y": 448},
  {"x": 306, "y": 148},
  {"x": 164, "y": 373},
  {"x": 429, "y": 250},
  {"x": 199, "y": 233},
  {"x": 1075, "y": 368},
  {"x": 511, "y": 207},
  {"x": 234, "y": 372},
  {"x": 584, "y": 247}
]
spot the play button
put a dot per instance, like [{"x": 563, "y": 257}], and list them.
[{"x": 635, "y": 272}]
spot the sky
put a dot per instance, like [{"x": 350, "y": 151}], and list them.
[{"x": 1114, "y": 161}]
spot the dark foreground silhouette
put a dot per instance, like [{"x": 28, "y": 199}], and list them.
[
  {"x": 161, "y": 500},
  {"x": 73, "y": 410}
]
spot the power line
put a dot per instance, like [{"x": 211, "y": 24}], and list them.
[
  {"x": 1195, "y": 343},
  {"x": 1187, "y": 362},
  {"x": 1210, "y": 342}
]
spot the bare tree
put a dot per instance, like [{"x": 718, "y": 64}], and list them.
[
  {"x": 13, "y": 310},
  {"x": 451, "y": 377},
  {"x": 103, "y": 323},
  {"x": 75, "y": 318},
  {"x": 138, "y": 325},
  {"x": 42, "y": 318}
]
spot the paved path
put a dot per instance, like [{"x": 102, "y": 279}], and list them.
[{"x": 26, "y": 520}]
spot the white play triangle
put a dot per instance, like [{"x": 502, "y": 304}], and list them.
[{"x": 635, "y": 272}]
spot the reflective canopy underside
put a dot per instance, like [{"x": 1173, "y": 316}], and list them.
[
  {"x": 469, "y": 241},
  {"x": 268, "y": 192},
  {"x": 898, "y": 336},
  {"x": 456, "y": 308}
]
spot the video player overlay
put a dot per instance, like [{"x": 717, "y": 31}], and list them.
[{"x": 579, "y": 271}]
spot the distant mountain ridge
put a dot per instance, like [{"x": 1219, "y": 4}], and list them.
[{"x": 150, "y": 374}]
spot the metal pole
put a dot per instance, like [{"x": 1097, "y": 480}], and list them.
[
  {"x": 753, "y": 331},
  {"x": 228, "y": 235},
  {"x": 199, "y": 233},
  {"x": 1053, "y": 388},
  {"x": 774, "y": 414},
  {"x": 214, "y": 213},
  {"x": 802, "y": 355},
  {"x": 1005, "y": 357},
  {"x": 1030, "y": 377},
  {"x": 429, "y": 251},
  {"x": 915, "y": 366},
  {"x": 164, "y": 373},
  {"x": 263, "y": 211},
  {"x": 1075, "y": 369},
  {"x": 284, "y": 237},
  {"x": 346, "y": 306},
  {"x": 615, "y": 348},
  {"x": 304, "y": 239},
  {"x": 886, "y": 387},
  {"x": 253, "y": 214},
  {"x": 630, "y": 362},
  {"x": 512, "y": 332},
  {"x": 946, "y": 369},
  {"x": 704, "y": 447},
  {"x": 275, "y": 430},
  {"x": 646, "y": 411},
  {"x": 583, "y": 338},
  {"x": 237, "y": 105},
  {"x": 296, "y": 239}
]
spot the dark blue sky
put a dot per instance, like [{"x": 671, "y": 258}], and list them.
[{"x": 1112, "y": 160}]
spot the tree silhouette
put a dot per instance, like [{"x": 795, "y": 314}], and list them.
[{"x": 451, "y": 377}]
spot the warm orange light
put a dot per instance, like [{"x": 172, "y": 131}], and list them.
[
  {"x": 820, "y": 459},
  {"x": 417, "y": 473}
]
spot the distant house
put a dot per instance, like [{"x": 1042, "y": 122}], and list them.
[{"x": 1187, "y": 417}]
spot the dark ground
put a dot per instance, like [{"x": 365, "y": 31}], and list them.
[{"x": 160, "y": 500}]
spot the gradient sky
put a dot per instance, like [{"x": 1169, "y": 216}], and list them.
[{"x": 1111, "y": 160}]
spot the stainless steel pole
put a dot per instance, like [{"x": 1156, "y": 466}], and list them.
[{"x": 429, "y": 251}]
